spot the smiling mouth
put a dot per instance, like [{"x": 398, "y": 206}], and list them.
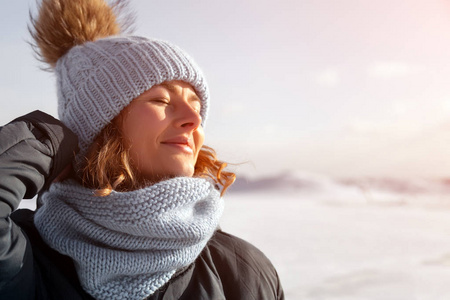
[
  {"x": 181, "y": 143},
  {"x": 183, "y": 147}
]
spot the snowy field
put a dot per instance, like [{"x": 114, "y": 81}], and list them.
[
  {"x": 374, "y": 240},
  {"x": 349, "y": 242}
]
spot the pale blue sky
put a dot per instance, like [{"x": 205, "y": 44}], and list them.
[{"x": 343, "y": 88}]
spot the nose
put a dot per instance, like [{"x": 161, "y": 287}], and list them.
[{"x": 188, "y": 117}]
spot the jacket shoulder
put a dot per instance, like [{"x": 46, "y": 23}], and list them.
[
  {"x": 227, "y": 246},
  {"x": 227, "y": 268},
  {"x": 245, "y": 272}
]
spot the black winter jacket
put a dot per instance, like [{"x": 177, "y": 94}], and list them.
[{"x": 37, "y": 147}]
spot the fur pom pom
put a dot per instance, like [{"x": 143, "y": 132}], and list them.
[{"x": 63, "y": 24}]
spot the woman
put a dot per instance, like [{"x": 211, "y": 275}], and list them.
[{"x": 135, "y": 215}]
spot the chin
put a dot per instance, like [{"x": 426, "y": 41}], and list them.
[
  {"x": 177, "y": 173},
  {"x": 185, "y": 172},
  {"x": 181, "y": 170}
]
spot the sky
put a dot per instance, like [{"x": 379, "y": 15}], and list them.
[{"x": 343, "y": 88}]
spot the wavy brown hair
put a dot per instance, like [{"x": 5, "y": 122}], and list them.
[{"x": 107, "y": 166}]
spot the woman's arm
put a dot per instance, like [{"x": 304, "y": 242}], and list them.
[{"x": 34, "y": 149}]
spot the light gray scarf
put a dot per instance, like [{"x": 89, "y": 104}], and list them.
[{"x": 127, "y": 245}]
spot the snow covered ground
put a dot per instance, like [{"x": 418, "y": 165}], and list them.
[{"x": 345, "y": 242}]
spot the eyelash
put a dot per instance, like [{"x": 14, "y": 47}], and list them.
[
  {"x": 167, "y": 102},
  {"x": 162, "y": 101}
]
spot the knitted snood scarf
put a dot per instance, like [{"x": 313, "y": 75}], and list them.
[{"x": 127, "y": 245}]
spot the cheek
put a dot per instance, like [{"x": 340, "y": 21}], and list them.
[
  {"x": 137, "y": 123},
  {"x": 199, "y": 137},
  {"x": 139, "y": 131}
]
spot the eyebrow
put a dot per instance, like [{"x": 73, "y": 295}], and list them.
[{"x": 168, "y": 86}]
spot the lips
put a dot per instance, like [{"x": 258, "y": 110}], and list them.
[{"x": 181, "y": 142}]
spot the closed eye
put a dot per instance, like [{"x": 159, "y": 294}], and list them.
[{"x": 160, "y": 101}]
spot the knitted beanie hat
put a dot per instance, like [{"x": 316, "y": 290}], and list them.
[{"x": 99, "y": 71}]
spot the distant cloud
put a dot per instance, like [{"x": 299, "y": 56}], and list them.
[
  {"x": 368, "y": 127},
  {"x": 234, "y": 109},
  {"x": 445, "y": 105},
  {"x": 387, "y": 129},
  {"x": 388, "y": 70},
  {"x": 328, "y": 77}
]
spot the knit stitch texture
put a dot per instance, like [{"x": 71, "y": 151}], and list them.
[
  {"x": 98, "y": 79},
  {"x": 129, "y": 244}
]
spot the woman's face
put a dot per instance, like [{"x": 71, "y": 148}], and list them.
[{"x": 164, "y": 132}]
